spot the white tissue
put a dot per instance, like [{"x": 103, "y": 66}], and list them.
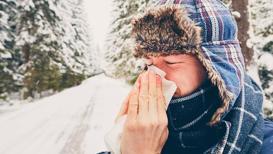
[
  {"x": 113, "y": 137},
  {"x": 168, "y": 87}
]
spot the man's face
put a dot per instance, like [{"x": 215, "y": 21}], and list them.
[{"x": 183, "y": 69}]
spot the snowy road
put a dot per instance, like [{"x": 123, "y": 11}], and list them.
[{"x": 71, "y": 122}]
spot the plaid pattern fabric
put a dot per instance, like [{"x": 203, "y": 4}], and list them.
[
  {"x": 219, "y": 39},
  {"x": 220, "y": 46},
  {"x": 244, "y": 122}
]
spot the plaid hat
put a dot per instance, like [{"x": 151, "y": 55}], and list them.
[{"x": 204, "y": 28}]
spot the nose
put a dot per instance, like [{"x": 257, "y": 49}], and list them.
[{"x": 156, "y": 61}]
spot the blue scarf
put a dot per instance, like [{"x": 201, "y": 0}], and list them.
[{"x": 188, "y": 117}]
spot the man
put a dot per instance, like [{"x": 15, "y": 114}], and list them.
[{"x": 217, "y": 107}]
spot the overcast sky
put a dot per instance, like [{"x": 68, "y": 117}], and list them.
[{"x": 99, "y": 18}]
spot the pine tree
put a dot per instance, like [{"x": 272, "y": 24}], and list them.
[
  {"x": 75, "y": 40},
  {"x": 54, "y": 39},
  {"x": 10, "y": 58},
  {"x": 119, "y": 50},
  {"x": 38, "y": 41},
  {"x": 44, "y": 46}
]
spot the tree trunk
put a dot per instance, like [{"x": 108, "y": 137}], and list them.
[{"x": 241, "y": 6}]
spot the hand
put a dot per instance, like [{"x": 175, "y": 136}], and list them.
[{"x": 145, "y": 130}]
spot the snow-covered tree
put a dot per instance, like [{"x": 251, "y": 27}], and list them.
[
  {"x": 39, "y": 45},
  {"x": 10, "y": 58},
  {"x": 53, "y": 37},
  {"x": 44, "y": 46},
  {"x": 119, "y": 46},
  {"x": 75, "y": 40},
  {"x": 262, "y": 42}
]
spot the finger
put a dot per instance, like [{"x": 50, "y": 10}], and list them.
[
  {"x": 124, "y": 107},
  {"x": 133, "y": 103},
  {"x": 143, "y": 94},
  {"x": 161, "y": 100},
  {"x": 153, "y": 94}
]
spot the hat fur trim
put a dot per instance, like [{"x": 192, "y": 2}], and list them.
[{"x": 165, "y": 30}]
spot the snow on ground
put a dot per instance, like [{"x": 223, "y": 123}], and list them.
[{"x": 71, "y": 122}]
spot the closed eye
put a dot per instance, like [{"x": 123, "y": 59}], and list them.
[{"x": 171, "y": 63}]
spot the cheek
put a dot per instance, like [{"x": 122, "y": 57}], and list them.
[{"x": 187, "y": 80}]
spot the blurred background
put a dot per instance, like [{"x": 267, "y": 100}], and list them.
[{"x": 48, "y": 47}]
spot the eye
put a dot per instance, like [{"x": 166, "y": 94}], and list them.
[{"x": 172, "y": 63}]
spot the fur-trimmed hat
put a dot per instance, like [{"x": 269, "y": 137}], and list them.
[
  {"x": 165, "y": 30},
  {"x": 204, "y": 28}
]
